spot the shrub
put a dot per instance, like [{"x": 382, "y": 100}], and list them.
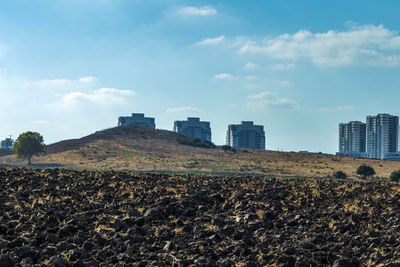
[
  {"x": 340, "y": 175},
  {"x": 365, "y": 171},
  {"x": 195, "y": 142},
  {"x": 228, "y": 148},
  {"x": 395, "y": 176}
]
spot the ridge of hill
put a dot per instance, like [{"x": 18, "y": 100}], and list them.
[{"x": 130, "y": 132}]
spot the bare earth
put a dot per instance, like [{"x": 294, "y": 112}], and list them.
[{"x": 68, "y": 218}]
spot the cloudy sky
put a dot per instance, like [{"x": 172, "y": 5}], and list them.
[{"x": 71, "y": 67}]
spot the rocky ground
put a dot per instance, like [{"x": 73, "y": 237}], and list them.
[{"x": 69, "y": 218}]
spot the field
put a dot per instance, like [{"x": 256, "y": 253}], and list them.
[
  {"x": 143, "y": 149},
  {"x": 70, "y": 218}
]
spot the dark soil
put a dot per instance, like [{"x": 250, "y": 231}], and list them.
[{"x": 69, "y": 218}]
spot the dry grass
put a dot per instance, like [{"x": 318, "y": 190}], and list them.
[
  {"x": 179, "y": 231},
  {"x": 353, "y": 207},
  {"x": 103, "y": 227},
  {"x": 163, "y": 155},
  {"x": 260, "y": 213}
]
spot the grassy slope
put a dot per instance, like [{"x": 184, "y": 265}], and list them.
[{"x": 149, "y": 150}]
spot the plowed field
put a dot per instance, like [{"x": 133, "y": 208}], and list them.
[{"x": 71, "y": 218}]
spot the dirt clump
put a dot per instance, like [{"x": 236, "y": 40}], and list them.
[{"x": 81, "y": 218}]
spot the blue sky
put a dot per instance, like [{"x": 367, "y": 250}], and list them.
[{"x": 71, "y": 67}]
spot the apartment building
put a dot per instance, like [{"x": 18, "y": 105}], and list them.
[
  {"x": 352, "y": 139},
  {"x": 194, "y": 128},
  {"x": 137, "y": 119},
  {"x": 382, "y": 135},
  {"x": 246, "y": 135}
]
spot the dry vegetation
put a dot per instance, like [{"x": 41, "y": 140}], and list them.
[{"x": 134, "y": 148}]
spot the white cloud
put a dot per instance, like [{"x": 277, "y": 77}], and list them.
[
  {"x": 251, "y": 66},
  {"x": 184, "y": 109},
  {"x": 51, "y": 82},
  {"x": 282, "y": 66},
  {"x": 61, "y": 83},
  {"x": 224, "y": 76},
  {"x": 359, "y": 46},
  {"x": 266, "y": 99},
  {"x": 88, "y": 79},
  {"x": 197, "y": 11},
  {"x": 102, "y": 96},
  {"x": 337, "y": 109},
  {"x": 212, "y": 41}
]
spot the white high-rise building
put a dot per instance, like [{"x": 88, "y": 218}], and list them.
[
  {"x": 246, "y": 135},
  {"x": 194, "y": 128},
  {"x": 398, "y": 140},
  {"x": 137, "y": 119},
  {"x": 382, "y": 135},
  {"x": 352, "y": 139}
]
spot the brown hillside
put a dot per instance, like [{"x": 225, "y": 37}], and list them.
[
  {"x": 144, "y": 149},
  {"x": 130, "y": 132}
]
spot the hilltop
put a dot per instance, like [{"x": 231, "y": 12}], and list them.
[
  {"x": 145, "y": 149},
  {"x": 116, "y": 133}
]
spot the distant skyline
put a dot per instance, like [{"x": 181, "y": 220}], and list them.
[{"x": 71, "y": 67}]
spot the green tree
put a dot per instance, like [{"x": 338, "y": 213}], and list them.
[
  {"x": 29, "y": 144},
  {"x": 226, "y": 148},
  {"x": 365, "y": 171},
  {"x": 395, "y": 176},
  {"x": 340, "y": 175}
]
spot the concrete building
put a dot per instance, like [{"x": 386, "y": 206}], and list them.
[
  {"x": 194, "y": 128},
  {"x": 7, "y": 143},
  {"x": 382, "y": 135},
  {"x": 137, "y": 119},
  {"x": 352, "y": 139},
  {"x": 395, "y": 156},
  {"x": 398, "y": 140},
  {"x": 246, "y": 135}
]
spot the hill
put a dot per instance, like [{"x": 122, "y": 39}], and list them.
[
  {"x": 116, "y": 133},
  {"x": 144, "y": 149}
]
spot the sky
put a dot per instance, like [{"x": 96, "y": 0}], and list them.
[{"x": 70, "y": 67}]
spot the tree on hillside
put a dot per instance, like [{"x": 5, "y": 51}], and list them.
[
  {"x": 228, "y": 148},
  {"x": 395, "y": 176},
  {"x": 365, "y": 171},
  {"x": 29, "y": 144}
]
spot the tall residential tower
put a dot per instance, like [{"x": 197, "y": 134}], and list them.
[
  {"x": 352, "y": 139},
  {"x": 382, "y": 135},
  {"x": 194, "y": 128},
  {"x": 246, "y": 135},
  {"x": 137, "y": 119}
]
